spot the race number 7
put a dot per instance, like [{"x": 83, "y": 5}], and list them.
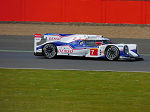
[{"x": 94, "y": 52}]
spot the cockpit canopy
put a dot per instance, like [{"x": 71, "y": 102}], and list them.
[{"x": 93, "y": 42}]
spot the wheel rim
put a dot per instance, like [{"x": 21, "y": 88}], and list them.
[
  {"x": 112, "y": 53},
  {"x": 49, "y": 50}
]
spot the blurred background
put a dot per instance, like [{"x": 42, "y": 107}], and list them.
[{"x": 95, "y": 11}]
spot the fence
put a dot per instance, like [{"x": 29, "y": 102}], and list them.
[{"x": 97, "y": 11}]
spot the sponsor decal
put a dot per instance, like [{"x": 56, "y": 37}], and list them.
[
  {"x": 94, "y": 52},
  {"x": 37, "y": 35},
  {"x": 53, "y": 37},
  {"x": 120, "y": 45},
  {"x": 101, "y": 52},
  {"x": 65, "y": 51},
  {"x": 75, "y": 38}
]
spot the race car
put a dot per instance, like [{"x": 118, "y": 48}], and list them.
[{"x": 95, "y": 46}]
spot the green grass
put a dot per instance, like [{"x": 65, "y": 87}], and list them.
[{"x": 73, "y": 91}]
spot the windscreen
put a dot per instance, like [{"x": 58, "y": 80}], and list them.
[{"x": 93, "y": 42}]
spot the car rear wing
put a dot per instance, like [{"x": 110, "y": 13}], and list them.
[{"x": 37, "y": 38}]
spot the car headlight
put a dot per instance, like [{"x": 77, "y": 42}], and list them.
[{"x": 126, "y": 49}]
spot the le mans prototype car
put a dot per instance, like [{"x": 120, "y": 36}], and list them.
[{"x": 96, "y": 46}]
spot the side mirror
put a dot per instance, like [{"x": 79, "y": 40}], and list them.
[{"x": 99, "y": 43}]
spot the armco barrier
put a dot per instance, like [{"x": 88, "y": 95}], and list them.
[{"x": 97, "y": 11}]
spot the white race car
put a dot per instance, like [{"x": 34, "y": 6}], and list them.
[{"x": 95, "y": 46}]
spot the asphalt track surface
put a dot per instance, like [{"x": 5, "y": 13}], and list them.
[{"x": 17, "y": 52}]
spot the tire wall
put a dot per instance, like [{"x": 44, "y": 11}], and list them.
[{"x": 97, "y": 11}]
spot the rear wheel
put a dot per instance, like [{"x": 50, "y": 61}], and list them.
[
  {"x": 112, "y": 53},
  {"x": 49, "y": 51}
]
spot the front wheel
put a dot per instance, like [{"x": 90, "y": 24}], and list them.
[
  {"x": 49, "y": 51},
  {"x": 112, "y": 53}
]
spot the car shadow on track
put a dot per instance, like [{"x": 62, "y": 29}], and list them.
[{"x": 85, "y": 58}]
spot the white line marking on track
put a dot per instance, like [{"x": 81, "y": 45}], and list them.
[
  {"x": 72, "y": 69},
  {"x": 14, "y": 51}
]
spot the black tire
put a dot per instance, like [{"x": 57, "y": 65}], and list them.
[
  {"x": 49, "y": 51},
  {"x": 112, "y": 53}
]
